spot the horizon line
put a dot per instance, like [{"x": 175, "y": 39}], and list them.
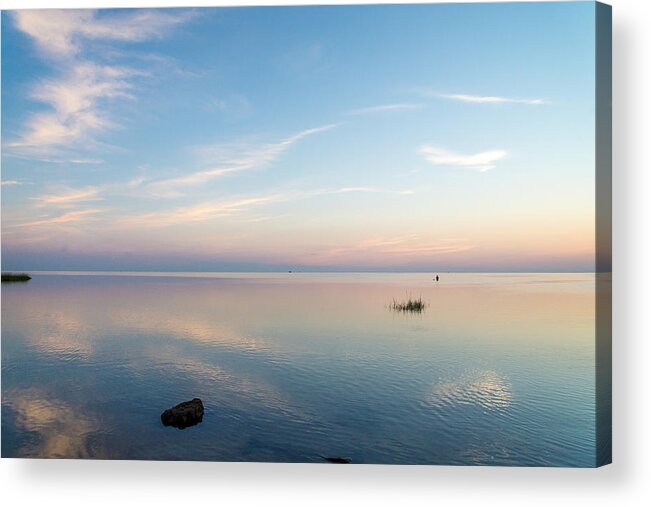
[{"x": 286, "y": 271}]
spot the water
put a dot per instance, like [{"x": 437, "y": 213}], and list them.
[{"x": 498, "y": 370}]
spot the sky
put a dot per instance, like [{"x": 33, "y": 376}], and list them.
[{"x": 454, "y": 137}]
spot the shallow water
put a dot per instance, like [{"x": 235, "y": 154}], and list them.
[{"x": 498, "y": 369}]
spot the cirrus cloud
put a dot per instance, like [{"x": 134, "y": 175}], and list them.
[
  {"x": 70, "y": 198},
  {"x": 487, "y": 99},
  {"x": 76, "y": 96},
  {"x": 482, "y": 161},
  {"x": 406, "y": 106},
  {"x": 78, "y": 216},
  {"x": 74, "y": 106},
  {"x": 231, "y": 159},
  {"x": 61, "y": 33}
]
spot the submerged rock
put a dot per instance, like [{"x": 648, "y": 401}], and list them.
[{"x": 184, "y": 414}]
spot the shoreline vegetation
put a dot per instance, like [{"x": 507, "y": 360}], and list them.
[
  {"x": 15, "y": 277},
  {"x": 409, "y": 305}
]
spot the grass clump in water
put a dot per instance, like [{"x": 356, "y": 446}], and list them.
[
  {"x": 15, "y": 277},
  {"x": 409, "y": 305}
]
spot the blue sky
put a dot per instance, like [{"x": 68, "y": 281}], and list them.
[{"x": 424, "y": 137}]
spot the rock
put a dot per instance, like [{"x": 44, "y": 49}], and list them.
[
  {"x": 337, "y": 459},
  {"x": 184, "y": 414}
]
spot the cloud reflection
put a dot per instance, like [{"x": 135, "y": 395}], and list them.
[
  {"x": 234, "y": 389},
  {"x": 487, "y": 389},
  {"x": 65, "y": 336},
  {"x": 62, "y": 431}
]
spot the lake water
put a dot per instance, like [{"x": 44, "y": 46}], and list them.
[{"x": 498, "y": 370}]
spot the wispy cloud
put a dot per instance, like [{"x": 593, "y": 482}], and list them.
[
  {"x": 231, "y": 159},
  {"x": 196, "y": 213},
  {"x": 371, "y": 190},
  {"x": 34, "y": 157},
  {"x": 10, "y": 182},
  {"x": 70, "y": 217},
  {"x": 385, "y": 108},
  {"x": 60, "y": 159},
  {"x": 62, "y": 33},
  {"x": 65, "y": 207},
  {"x": 482, "y": 161},
  {"x": 76, "y": 98},
  {"x": 69, "y": 198},
  {"x": 380, "y": 251},
  {"x": 236, "y": 206},
  {"x": 410, "y": 245},
  {"x": 74, "y": 106},
  {"x": 487, "y": 99}
]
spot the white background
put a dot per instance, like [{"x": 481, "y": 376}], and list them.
[{"x": 626, "y": 482}]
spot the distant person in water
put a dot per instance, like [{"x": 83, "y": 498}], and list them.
[{"x": 437, "y": 278}]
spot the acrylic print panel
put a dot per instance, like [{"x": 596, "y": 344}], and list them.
[{"x": 333, "y": 234}]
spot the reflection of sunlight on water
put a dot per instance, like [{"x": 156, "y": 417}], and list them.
[
  {"x": 62, "y": 431},
  {"x": 487, "y": 389}
]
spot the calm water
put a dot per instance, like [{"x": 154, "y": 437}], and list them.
[{"x": 498, "y": 370}]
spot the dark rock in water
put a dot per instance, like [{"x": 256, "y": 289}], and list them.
[
  {"x": 184, "y": 414},
  {"x": 337, "y": 459}
]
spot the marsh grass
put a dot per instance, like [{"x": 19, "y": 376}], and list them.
[
  {"x": 409, "y": 305},
  {"x": 15, "y": 277}
]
